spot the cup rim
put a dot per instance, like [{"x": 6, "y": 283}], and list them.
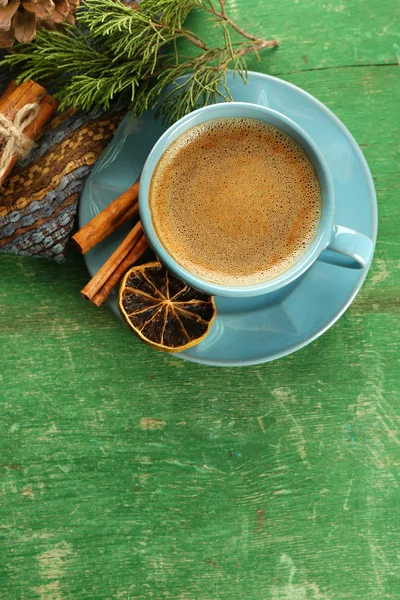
[{"x": 319, "y": 242}]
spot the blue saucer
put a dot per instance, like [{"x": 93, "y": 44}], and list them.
[{"x": 256, "y": 330}]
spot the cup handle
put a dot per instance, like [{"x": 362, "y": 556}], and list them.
[{"x": 356, "y": 246}]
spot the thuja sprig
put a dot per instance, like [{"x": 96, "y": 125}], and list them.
[{"x": 120, "y": 52}]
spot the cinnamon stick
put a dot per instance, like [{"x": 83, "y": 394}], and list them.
[
  {"x": 47, "y": 105},
  {"x": 16, "y": 97},
  {"x": 9, "y": 90},
  {"x": 105, "y": 272},
  {"x": 129, "y": 260},
  {"x": 121, "y": 210}
]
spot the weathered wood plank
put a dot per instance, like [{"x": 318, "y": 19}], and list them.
[
  {"x": 127, "y": 474},
  {"x": 321, "y": 34}
]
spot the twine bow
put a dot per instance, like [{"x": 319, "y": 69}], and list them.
[{"x": 12, "y": 132}]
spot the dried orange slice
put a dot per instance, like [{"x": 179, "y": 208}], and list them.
[{"x": 162, "y": 310}]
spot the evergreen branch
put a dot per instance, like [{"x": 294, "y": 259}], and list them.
[
  {"x": 56, "y": 55},
  {"x": 116, "y": 53},
  {"x": 96, "y": 16},
  {"x": 222, "y": 15},
  {"x": 173, "y": 13}
]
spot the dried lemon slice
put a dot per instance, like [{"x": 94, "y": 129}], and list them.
[{"x": 162, "y": 310}]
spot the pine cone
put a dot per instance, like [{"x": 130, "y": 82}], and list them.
[{"x": 20, "y": 19}]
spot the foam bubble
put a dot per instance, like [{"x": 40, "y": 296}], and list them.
[{"x": 235, "y": 201}]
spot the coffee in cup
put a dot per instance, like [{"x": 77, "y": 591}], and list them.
[{"x": 235, "y": 201}]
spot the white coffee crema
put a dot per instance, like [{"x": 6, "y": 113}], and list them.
[{"x": 235, "y": 201}]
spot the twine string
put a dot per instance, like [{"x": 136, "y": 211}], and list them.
[{"x": 14, "y": 140}]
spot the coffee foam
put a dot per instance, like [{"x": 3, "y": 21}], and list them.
[{"x": 235, "y": 201}]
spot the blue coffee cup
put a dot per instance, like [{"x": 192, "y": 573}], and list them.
[{"x": 355, "y": 248}]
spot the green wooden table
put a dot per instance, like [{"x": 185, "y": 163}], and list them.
[{"x": 130, "y": 474}]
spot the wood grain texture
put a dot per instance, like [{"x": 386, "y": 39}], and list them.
[{"x": 129, "y": 474}]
